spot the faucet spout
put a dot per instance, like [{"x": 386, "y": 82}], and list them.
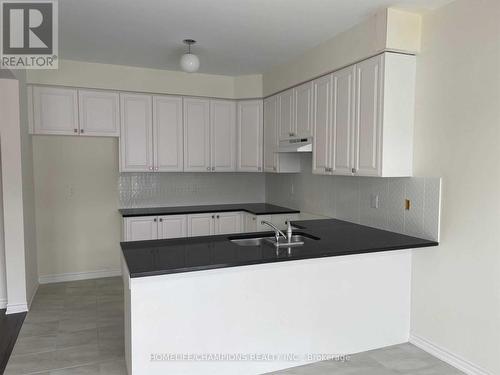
[{"x": 277, "y": 231}]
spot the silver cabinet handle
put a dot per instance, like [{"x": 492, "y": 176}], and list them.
[
  {"x": 156, "y": 168},
  {"x": 213, "y": 216},
  {"x": 154, "y": 219},
  {"x": 161, "y": 220},
  {"x": 213, "y": 169},
  {"x": 208, "y": 168},
  {"x": 354, "y": 170},
  {"x": 81, "y": 131},
  {"x": 75, "y": 130},
  {"x": 218, "y": 217},
  {"x": 151, "y": 168}
]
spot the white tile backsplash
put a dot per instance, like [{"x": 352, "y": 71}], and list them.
[
  {"x": 343, "y": 197},
  {"x": 179, "y": 189},
  {"x": 349, "y": 198}
]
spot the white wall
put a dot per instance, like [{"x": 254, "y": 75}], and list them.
[
  {"x": 3, "y": 280},
  {"x": 12, "y": 193},
  {"x": 76, "y": 194},
  {"x": 28, "y": 191},
  {"x": 388, "y": 29},
  {"x": 456, "y": 287},
  {"x": 128, "y": 78}
]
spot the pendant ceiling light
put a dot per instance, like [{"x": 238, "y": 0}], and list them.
[{"x": 190, "y": 63}]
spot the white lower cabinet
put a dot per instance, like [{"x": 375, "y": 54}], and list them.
[
  {"x": 172, "y": 226},
  {"x": 214, "y": 223},
  {"x": 228, "y": 222},
  {"x": 143, "y": 228},
  {"x": 140, "y": 228},
  {"x": 201, "y": 225}
]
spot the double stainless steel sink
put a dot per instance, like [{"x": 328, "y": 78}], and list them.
[{"x": 297, "y": 239}]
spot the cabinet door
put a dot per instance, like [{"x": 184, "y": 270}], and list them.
[
  {"x": 141, "y": 228},
  {"x": 367, "y": 152},
  {"x": 228, "y": 222},
  {"x": 286, "y": 114},
  {"x": 172, "y": 226},
  {"x": 55, "y": 110},
  {"x": 167, "y": 133},
  {"x": 250, "y": 137},
  {"x": 322, "y": 88},
  {"x": 201, "y": 225},
  {"x": 250, "y": 223},
  {"x": 270, "y": 134},
  {"x": 136, "y": 135},
  {"x": 99, "y": 113},
  {"x": 223, "y": 135},
  {"x": 196, "y": 135},
  {"x": 342, "y": 135},
  {"x": 303, "y": 96}
]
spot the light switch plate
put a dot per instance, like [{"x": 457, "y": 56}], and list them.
[{"x": 374, "y": 201}]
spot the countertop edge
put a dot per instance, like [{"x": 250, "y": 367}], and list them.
[{"x": 278, "y": 260}]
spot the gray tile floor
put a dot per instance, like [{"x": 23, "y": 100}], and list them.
[{"x": 76, "y": 328}]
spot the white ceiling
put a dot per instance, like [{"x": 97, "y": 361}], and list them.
[{"x": 235, "y": 37}]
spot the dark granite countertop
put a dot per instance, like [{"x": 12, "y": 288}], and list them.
[
  {"x": 253, "y": 208},
  {"x": 336, "y": 237}
]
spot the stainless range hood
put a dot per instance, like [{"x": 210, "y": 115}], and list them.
[{"x": 295, "y": 145}]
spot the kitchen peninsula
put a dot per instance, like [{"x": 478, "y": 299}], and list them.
[{"x": 346, "y": 290}]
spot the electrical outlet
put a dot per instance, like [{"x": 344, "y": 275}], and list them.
[
  {"x": 407, "y": 204},
  {"x": 374, "y": 201}
]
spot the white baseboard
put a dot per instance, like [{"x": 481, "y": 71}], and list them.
[
  {"x": 3, "y": 304},
  {"x": 445, "y": 355},
  {"x": 16, "y": 308},
  {"x": 75, "y": 276}
]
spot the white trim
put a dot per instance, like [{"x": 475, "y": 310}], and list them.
[
  {"x": 16, "y": 308},
  {"x": 445, "y": 355},
  {"x": 3, "y": 303},
  {"x": 74, "y": 276}
]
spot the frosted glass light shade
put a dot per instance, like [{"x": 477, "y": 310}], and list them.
[{"x": 190, "y": 63}]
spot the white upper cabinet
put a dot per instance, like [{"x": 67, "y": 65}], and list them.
[
  {"x": 136, "y": 138},
  {"x": 275, "y": 162},
  {"x": 167, "y": 134},
  {"x": 196, "y": 135},
  {"x": 363, "y": 125},
  {"x": 368, "y": 125},
  {"x": 342, "y": 134},
  {"x": 322, "y": 88},
  {"x": 172, "y": 226},
  {"x": 223, "y": 135},
  {"x": 250, "y": 135},
  {"x": 270, "y": 134},
  {"x": 55, "y": 110},
  {"x": 99, "y": 113},
  {"x": 286, "y": 114},
  {"x": 385, "y": 109},
  {"x": 303, "y": 96}
]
